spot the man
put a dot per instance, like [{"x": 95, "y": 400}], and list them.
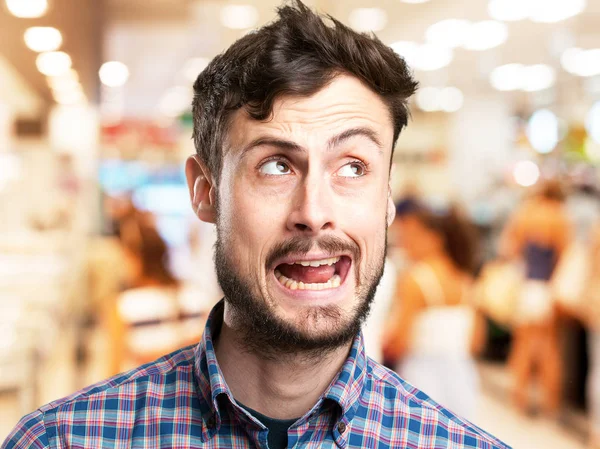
[{"x": 294, "y": 127}]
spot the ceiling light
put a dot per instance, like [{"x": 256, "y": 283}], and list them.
[
  {"x": 451, "y": 99},
  {"x": 448, "y": 33},
  {"x": 537, "y": 77},
  {"x": 53, "y": 63},
  {"x": 27, "y": 9},
  {"x": 424, "y": 57},
  {"x": 592, "y": 122},
  {"x": 113, "y": 74},
  {"x": 591, "y": 62},
  {"x": 239, "y": 17},
  {"x": 175, "y": 101},
  {"x": 542, "y": 131},
  {"x": 507, "y": 77},
  {"x": 406, "y": 49},
  {"x": 571, "y": 60},
  {"x": 43, "y": 39},
  {"x": 520, "y": 77},
  {"x": 448, "y": 99},
  {"x": 368, "y": 19},
  {"x": 552, "y": 11},
  {"x": 427, "y": 99},
  {"x": 430, "y": 57},
  {"x": 547, "y": 11},
  {"x": 485, "y": 35},
  {"x": 526, "y": 173},
  {"x": 508, "y": 10},
  {"x": 193, "y": 67},
  {"x": 581, "y": 62}
]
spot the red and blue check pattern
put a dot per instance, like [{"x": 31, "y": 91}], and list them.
[{"x": 182, "y": 401}]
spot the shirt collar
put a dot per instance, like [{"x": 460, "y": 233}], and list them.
[{"x": 345, "y": 389}]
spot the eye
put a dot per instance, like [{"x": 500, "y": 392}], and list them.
[
  {"x": 275, "y": 168},
  {"x": 354, "y": 169}
]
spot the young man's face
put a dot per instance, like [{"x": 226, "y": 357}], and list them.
[{"x": 302, "y": 207}]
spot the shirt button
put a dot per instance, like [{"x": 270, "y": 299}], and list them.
[{"x": 341, "y": 427}]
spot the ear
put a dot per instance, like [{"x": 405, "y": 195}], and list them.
[
  {"x": 391, "y": 208},
  {"x": 202, "y": 189}
]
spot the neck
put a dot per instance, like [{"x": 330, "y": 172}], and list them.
[{"x": 284, "y": 388}]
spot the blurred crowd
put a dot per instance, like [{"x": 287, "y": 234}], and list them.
[{"x": 539, "y": 282}]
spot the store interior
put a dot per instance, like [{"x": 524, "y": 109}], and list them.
[{"x": 95, "y": 119}]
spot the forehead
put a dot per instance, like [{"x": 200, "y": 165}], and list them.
[{"x": 344, "y": 103}]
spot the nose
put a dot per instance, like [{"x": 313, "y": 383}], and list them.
[{"x": 312, "y": 208}]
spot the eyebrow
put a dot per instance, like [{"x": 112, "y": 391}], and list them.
[
  {"x": 333, "y": 142},
  {"x": 353, "y": 132}
]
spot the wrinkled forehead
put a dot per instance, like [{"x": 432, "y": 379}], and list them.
[{"x": 343, "y": 104}]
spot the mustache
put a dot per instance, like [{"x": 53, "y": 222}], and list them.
[{"x": 303, "y": 245}]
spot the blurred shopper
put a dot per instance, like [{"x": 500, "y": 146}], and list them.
[
  {"x": 434, "y": 327},
  {"x": 538, "y": 233},
  {"x": 294, "y": 126},
  {"x": 588, "y": 311},
  {"x": 157, "y": 314}
]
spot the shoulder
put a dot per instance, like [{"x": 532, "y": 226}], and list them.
[
  {"x": 412, "y": 409},
  {"x": 121, "y": 393},
  {"x": 30, "y": 432}
]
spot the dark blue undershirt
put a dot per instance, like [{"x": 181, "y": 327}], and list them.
[{"x": 278, "y": 428}]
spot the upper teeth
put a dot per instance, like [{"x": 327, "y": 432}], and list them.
[{"x": 316, "y": 263}]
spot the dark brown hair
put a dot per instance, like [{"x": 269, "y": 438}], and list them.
[
  {"x": 552, "y": 189},
  {"x": 147, "y": 244},
  {"x": 458, "y": 233},
  {"x": 298, "y": 54}
]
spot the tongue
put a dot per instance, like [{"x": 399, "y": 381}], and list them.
[{"x": 308, "y": 275}]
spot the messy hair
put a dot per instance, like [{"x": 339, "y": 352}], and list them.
[{"x": 296, "y": 55}]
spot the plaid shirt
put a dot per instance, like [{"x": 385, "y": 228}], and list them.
[{"x": 182, "y": 401}]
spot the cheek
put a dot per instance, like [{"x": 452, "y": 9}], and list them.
[
  {"x": 250, "y": 220},
  {"x": 365, "y": 212}
]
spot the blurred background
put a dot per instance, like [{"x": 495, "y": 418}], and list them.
[{"x": 95, "y": 222}]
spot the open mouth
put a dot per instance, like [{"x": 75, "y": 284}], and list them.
[{"x": 322, "y": 274}]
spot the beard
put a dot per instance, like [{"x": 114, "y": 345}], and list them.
[{"x": 267, "y": 335}]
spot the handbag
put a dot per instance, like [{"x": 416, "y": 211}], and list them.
[
  {"x": 571, "y": 276},
  {"x": 497, "y": 291}
]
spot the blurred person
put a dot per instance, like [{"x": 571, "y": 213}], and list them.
[
  {"x": 117, "y": 211},
  {"x": 587, "y": 310},
  {"x": 294, "y": 127},
  {"x": 583, "y": 208},
  {"x": 373, "y": 328},
  {"x": 537, "y": 233},
  {"x": 591, "y": 317},
  {"x": 157, "y": 314},
  {"x": 433, "y": 327}
]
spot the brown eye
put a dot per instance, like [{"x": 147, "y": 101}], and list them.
[
  {"x": 275, "y": 168},
  {"x": 352, "y": 170}
]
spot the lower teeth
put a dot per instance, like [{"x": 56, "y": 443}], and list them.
[{"x": 334, "y": 282}]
